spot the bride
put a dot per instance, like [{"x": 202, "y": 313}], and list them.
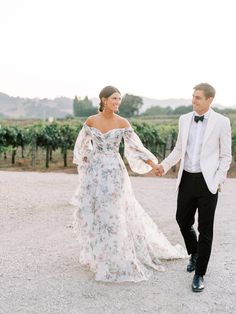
[{"x": 118, "y": 241}]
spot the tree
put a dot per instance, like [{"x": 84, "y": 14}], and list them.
[
  {"x": 83, "y": 107},
  {"x": 76, "y": 106},
  {"x": 68, "y": 134},
  {"x": 182, "y": 110},
  {"x": 11, "y": 138},
  {"x": 158, "y": 110},
  {"x": 130, "y": 105}
]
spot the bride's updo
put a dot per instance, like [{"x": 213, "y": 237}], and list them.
[{"x": 105, "y": 93}]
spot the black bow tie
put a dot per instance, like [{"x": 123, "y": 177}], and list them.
[{"x": 198, "y": 118}]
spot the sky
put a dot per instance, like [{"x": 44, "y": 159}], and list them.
[{"x": 154, "y": 48}]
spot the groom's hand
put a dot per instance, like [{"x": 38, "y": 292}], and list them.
[{"x": 159, "y": 170}]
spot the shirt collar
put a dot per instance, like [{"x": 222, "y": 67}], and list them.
[{"x": 206, "y": 115}]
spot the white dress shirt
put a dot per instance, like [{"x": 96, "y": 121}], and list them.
[{"x": 194, "y": 145}]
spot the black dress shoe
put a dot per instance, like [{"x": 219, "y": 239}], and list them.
[
  {"x": 192, "y": 263},
  {"x": 197, "y": 285}
]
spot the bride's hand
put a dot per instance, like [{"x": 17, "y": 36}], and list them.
[{"x": 159, "y": 170}]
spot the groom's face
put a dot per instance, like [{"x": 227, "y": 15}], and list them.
[{"x": 200, "y": 102}]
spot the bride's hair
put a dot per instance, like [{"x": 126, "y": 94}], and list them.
[{"x": 105, "y": 93}]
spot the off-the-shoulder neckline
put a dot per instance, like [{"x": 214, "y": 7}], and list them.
[{"x": 91, "y": 127}]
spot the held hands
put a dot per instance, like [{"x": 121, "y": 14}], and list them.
[{"x": 158, "y": 169}]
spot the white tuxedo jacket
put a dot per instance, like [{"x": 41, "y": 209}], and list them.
[{"x": 215, "y": 155}]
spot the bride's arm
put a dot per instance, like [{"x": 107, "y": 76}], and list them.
[
  {"x": 83, "y": 146},
  {"x": 140, "y": 159}
]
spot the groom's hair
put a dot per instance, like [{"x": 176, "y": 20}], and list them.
[{"x": 207, "y": 89}]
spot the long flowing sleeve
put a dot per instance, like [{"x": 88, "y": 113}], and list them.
[
  {"x": 136, "y": 154},
  {"x": 83, "y": 147}
]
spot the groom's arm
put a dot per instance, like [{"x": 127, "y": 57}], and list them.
[
  {"x": 225, "y": 156},
  {"x": 176, "y": 153}
]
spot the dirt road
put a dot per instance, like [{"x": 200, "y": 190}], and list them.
[{"x": 39, "y": 269}]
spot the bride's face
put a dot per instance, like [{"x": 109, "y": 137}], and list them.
[{"x": 113, "y": 102}]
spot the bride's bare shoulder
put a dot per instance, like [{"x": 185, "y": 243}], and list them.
[
  {"x": 91, "y": 120},
  {"x": 124, "y": 123}
]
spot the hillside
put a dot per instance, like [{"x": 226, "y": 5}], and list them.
[
  {"x": 60, "y": 107},
  {"x": 17, "y": 107}
]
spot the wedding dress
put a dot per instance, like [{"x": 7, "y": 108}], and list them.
[{"x": 118, "y": 240}]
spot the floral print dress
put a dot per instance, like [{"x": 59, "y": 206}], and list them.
[{"x": 118, "y": 240}]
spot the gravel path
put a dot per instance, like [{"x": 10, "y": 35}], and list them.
[{"x": 39, "y": 270}]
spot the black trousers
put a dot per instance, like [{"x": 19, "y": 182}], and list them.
[{"x": 194, "y": 194}]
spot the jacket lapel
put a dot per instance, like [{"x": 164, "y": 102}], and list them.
[
  {"x": 185, "y": 131},
  {"x": 210, "y": 125}
]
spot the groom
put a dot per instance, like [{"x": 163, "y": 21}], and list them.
[{"x": 204, "y": 149}]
